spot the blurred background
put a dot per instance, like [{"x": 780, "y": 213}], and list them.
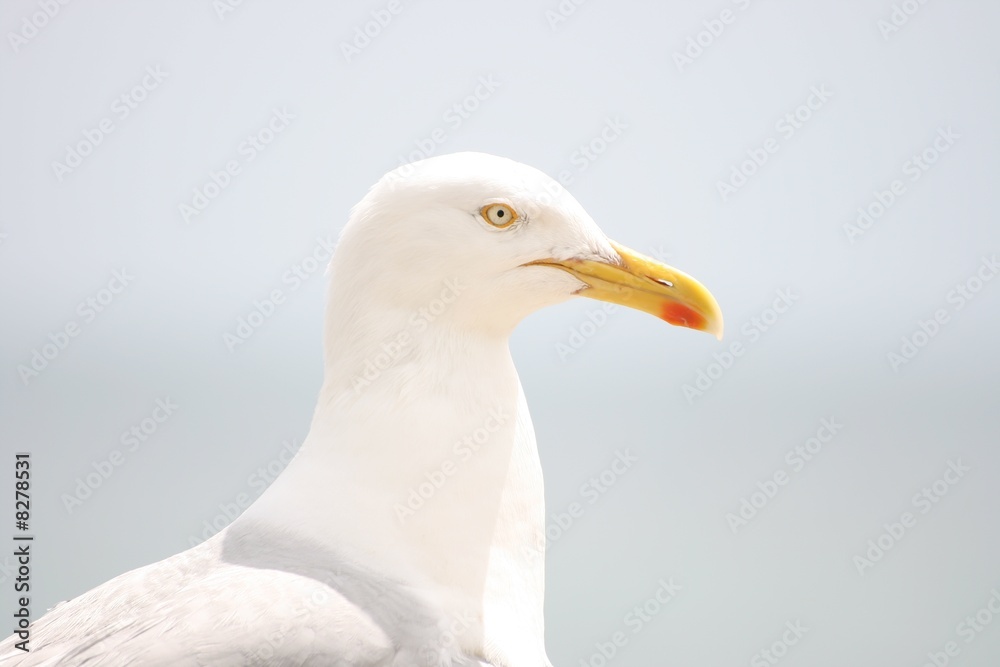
[{"x": 823, "y": 494}]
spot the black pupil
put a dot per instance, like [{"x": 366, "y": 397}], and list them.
[{"x": 500, "y": 213}]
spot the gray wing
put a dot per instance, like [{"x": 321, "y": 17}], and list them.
[
  {"x": 201, "y": 609},
  {"x": 188, "y": 614}
]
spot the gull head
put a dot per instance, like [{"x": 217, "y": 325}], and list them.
[{"x": 480, "y": 241}]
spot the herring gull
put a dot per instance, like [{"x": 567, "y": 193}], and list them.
[{"x": 335, "y": 563}]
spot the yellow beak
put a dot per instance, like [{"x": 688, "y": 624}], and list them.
[{"x": 645, "y": 284}]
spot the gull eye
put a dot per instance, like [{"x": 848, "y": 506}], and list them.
[{"x": 498, "y": 215}]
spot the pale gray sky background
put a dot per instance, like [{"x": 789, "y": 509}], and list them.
[{"x": 876, "y": 92}]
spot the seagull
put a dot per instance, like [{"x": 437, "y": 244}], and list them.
[{"x": 409, "y": 529}]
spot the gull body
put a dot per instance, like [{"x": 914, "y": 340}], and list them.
[{"x": 409, "y": 529}]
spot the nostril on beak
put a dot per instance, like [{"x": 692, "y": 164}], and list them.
[{"x": 665, "y": 283}]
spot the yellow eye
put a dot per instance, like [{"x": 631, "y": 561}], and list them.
[{"x": 498, "y": 215}]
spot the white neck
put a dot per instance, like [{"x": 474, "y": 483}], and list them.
[{"x": 421, "y": 465}]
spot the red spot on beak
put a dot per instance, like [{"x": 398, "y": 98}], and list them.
[{"x": 682, "y": 316}]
